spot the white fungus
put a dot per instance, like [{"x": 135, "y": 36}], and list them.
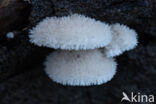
[
  {"x": 123, "y": 39},
  {"x": 83, "y": 68},
  {"x": 73, "y": 32},
  {"x": 10, "y": 35}
]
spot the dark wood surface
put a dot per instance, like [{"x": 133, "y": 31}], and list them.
[{"x": 22, "y": 79}]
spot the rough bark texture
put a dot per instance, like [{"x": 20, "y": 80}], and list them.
[
  {"x": 13, "y": 15},
  {"x": 22, "y": 79}
]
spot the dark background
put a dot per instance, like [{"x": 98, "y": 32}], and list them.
[{"x": 22, "y": 78}]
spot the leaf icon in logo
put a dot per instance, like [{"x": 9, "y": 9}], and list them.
[{"x": 125, "y": 97}]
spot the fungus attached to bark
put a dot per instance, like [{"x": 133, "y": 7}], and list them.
[
  {"x": 123, "y": 39},
  {"x": 74, "y": 32},
  {"x": 84, "y": 68}
]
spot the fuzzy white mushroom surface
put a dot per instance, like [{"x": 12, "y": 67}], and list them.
[
  {"x": 80, "y": 68},
  {"x": 123, "y": 39},
  {"x": 73, "y": 32}
]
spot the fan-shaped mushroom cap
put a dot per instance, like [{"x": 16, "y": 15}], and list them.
[
  {"x": 123, "y": 39},
  {"x": 73, "y": 32},
  {"x": 80, "y": 67}
]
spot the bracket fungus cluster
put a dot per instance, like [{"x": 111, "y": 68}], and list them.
[{"x": 85, "y": 48}]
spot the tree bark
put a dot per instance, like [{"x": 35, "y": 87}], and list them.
[{"x": 22, "y": 80}]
